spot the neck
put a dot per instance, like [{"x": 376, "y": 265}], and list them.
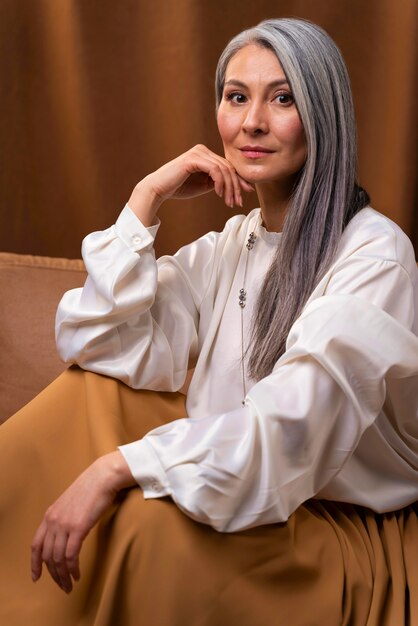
[{"x": 274, "y": 203}]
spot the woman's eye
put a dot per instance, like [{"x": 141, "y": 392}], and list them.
[
  {"x": 285, "y": 98},
  {"x": 236, "y": 97}
]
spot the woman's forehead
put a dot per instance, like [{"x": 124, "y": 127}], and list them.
[{"x": 256, "y": 63}]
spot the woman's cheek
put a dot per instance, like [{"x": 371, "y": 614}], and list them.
[
  {"x": 226, "y": 126},
  {"x": 294, "y": 133}
]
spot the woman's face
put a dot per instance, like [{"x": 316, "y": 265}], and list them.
[{"x": 261, "y": 130}]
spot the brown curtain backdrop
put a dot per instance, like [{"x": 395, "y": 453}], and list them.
[{"x": 94, "y": 94}]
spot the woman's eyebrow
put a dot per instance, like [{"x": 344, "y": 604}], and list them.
[{"x": 239, "y": 83}]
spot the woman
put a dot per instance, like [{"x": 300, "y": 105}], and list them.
[{"x": 300, "y": 321}]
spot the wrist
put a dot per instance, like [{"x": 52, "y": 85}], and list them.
[
  {"x": 145, "y": 202},
  {"x": 115, "y": 471}
]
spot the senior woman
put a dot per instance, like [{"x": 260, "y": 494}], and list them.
[{"x": 287, "y": 493}]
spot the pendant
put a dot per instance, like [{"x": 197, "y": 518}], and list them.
[
  {"x": 251, "y": 241},
  {"x": 242, "y": 298}
]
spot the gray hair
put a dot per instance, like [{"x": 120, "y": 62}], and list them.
[{"x": 326, "y": 195}]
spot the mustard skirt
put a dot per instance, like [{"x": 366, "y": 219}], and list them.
[{"x": 147, "y": 564}]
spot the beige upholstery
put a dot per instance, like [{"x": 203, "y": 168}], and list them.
[{"x": 30, "y": 289}]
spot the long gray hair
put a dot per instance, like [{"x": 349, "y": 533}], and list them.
[{"x": 326, "y": 195}]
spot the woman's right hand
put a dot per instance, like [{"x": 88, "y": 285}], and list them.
[{"x": 193, "y": 173}]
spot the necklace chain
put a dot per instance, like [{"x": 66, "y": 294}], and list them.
[{"x": 242, "y": 301}]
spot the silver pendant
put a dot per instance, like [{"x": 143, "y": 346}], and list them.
[
  {"x": 251, "y": 241},
  {"x": 242, "y": 298}
]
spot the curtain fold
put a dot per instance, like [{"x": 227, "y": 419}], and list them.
[{"x": 95, "y": 95}]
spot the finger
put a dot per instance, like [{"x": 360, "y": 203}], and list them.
[
  {"x": 233, "y": 193},
  {"x": 232, "y": 186},
  {"x": 219, "y": 170},
  {"x": 209, "y": 183},
  {"x": 237, "y": 187},
  {"x": 229, "y": 193},
  {"x": 53, "y": 572},
  {"x": 200, "y": 160},
  {"x": 217, "y": 180},
  {"x": 36, "y": 552},
  {"x": 47, "y": 553},
  {"x": 215, "y": 172},
  {"x": 60, "y": 563},
  {"x": 245, "y": 185},
  {"x": 221, "y": 173},
  {"x": 72, "y": 555},
  {"x": 220, "y": 179}
]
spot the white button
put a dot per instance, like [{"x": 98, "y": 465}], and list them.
[
  {"x": 136, "y": 239},
  {"x": 156, "y": 486}
]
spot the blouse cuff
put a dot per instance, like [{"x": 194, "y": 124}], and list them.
[
  {"x": 133, "y": 233},
  {"x": 146, "y": 469}
]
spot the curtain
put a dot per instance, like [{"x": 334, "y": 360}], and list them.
[{"x": 95, "y": 94}]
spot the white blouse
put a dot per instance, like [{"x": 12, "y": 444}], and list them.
[{"x": 336, "y": 419}]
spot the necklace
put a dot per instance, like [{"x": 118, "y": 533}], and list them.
[{"x": 242, "y": 300}]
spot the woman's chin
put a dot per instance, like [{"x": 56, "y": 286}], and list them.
[
  {"x": 255, "y": 174},
  {"x": 263, "y": 176},
  {"x": 251, "y": 176},
  {"x": 257, "y": 178}
]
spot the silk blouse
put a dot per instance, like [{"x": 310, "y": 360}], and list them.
[{"x": 336, "y": 419}]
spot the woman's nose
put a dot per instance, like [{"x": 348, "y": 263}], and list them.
[{"x": 255, "y": 120}]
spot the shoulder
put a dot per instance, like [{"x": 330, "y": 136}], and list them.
[
  {"x": 373, "y": 235},
  {"x": 375, "y": 262}
]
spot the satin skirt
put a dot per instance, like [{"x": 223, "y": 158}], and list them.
[{"x": 147, "y": 564}]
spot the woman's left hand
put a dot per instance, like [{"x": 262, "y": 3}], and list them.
[{"x": 68, "y": 521}]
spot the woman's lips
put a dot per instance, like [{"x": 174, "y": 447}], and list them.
[{"x": 255, "y": 152}]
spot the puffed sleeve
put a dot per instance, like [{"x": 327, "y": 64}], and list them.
[
  {"x": 134, "y": 319},
  {"x": 300, "y": 425}
]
